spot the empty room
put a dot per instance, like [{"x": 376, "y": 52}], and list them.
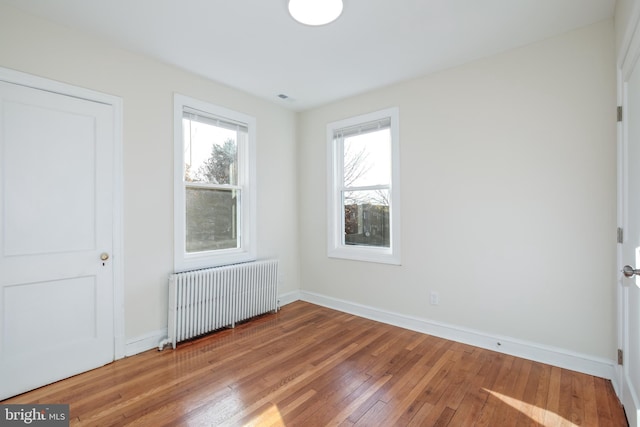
[{"x": 373, "y": 213}]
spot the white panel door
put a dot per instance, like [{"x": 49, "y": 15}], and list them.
[
  {"x": 630, "y": 293},
  {"x": 56, "y": 213}
]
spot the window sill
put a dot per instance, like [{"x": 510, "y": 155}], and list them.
[{"x": 365, "y": 254}]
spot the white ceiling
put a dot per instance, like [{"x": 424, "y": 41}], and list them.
[{"x": 255, "y": 46}]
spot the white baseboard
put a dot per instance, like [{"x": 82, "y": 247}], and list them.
[
  {"x": 630, "y": 402},
  {"x": 559, "y": 357},
  {"x": 144, "y": 342},
  {"x": 288, "y": 298}
]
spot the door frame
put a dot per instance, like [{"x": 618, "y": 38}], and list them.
[
  {"x": 35, "y": 82},
  {"x": 628, "y": 57}
]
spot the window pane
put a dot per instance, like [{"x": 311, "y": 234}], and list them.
[
  {"x": 211, "y": 219},
  {"x": 210, "y": 152},
  {"x": 366, "y": 218},
  {"x": 367, "y": 159}
]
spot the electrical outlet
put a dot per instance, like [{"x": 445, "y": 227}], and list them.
[{"x": 434, "y": 298}]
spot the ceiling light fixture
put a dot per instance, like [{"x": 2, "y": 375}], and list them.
[{"x": 315, "y": 12}]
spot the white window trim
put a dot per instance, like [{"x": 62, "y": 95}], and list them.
[
  {"x": 184, "y": 261},
  {"x": 335, "y": 213}
]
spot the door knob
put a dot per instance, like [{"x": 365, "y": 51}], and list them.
[
  {"x": 629, "y": 271},
  {"x": 104, "y": 256}
]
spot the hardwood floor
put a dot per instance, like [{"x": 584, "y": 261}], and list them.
[{"x": 312, "y": 366}]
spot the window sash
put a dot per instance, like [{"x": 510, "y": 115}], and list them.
[
  {"x": 241, "y": 225},
  {"x": 373, "y": 231},
  {"x": 337, "y": 132},
  {"x": 241, "y": 137},
  {"x": 340, "y": 137},
  {"x": 363, "y": 128},
  {"x": 212, "y": 185},
  {"x": 217, "y": 232},
  {"x": 210, "y": 119}
]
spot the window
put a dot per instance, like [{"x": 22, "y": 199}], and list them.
[
  {"x": 214, "y": 185},
  {"x": 364, "y": 204}
]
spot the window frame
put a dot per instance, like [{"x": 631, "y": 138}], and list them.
[
  {"x": 246, "y": 216},
  {"x": 335, "y": 203}
]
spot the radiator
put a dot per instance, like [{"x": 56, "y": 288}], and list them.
[{"x": 203, "y": 301}]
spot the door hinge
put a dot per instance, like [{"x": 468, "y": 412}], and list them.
[
  {"x": 619, "y": 113},
  {"x": 620, "y": 235},
  {"x": 620, "y": 356}
]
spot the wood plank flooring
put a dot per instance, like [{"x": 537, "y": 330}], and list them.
[{"x": 312, "y": 366}]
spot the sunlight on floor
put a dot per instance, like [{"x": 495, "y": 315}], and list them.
[
  {"x": 539, "y": 415},
  {"x": 270, "y": 417}
]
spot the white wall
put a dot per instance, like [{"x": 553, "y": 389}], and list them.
[
  {"x": 508, "y": 171},
  {"x": 508, "y": 183},
  {"x": 31, "y": 45}
]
